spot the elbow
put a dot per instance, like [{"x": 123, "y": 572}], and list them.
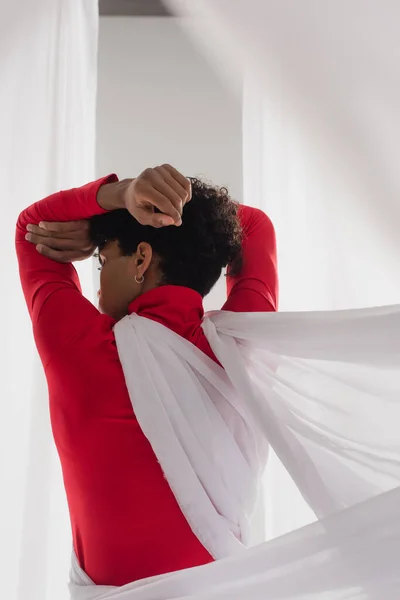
[
  {"x": 20, "y": 227},
  {"x": 255, "y": 217},
  {"x": 256, "y": 223}
]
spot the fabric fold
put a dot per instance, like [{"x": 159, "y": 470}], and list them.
[{"x": 323, "y": 389}]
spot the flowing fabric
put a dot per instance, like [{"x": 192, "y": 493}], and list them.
[
  {"x": 47, "y": 142},
  {"x": 322, "y": 389},
  {"x": 321, "y": 115}
]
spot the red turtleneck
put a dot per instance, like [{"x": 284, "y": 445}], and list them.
[{"x": 126, "y": 523}]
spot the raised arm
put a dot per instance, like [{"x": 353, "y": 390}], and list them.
[
  {"x": 256, "y": 288},
  {"x": 61, "y": 316},
  {"x": 59, "y": 312}
]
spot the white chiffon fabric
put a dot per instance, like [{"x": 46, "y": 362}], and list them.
[
  {"x": 322, "y": 389},
  {"x": 321, "y": 116},
  {"x": 48, "y": 72}
]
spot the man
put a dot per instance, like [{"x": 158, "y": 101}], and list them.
[
  {"x": 161, "y": 417},
  {"x": 163, "y": 241}
]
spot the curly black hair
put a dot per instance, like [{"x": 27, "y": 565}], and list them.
[{"x": 192, "y": 255}]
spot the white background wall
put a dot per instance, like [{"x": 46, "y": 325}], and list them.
[{"x": 160, "y": 101}]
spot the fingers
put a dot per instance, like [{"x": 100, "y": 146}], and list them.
[
  {"x": 148, "y": 198},
  {"x": 167, "y": 200},
  {"x": 77, "y": 234},
  {"x": 177, "y": 182},
  {"x": 62, "y": 256},
  {"x": 62, "y": 242},
  {"x": 162, "y": 188},
  {"x": 57, "y": 243},
  {"x": 180, "y": 179},
  {"x": 74, "y": 230},
  {"x": 64, "y": 229},
  {"x": 164, "y": 183},
  {"x": 146, "y": 216}
]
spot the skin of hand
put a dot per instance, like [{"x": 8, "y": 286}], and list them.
[{"x": 156, "y": 198}]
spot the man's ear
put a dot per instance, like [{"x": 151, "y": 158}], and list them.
[{"x": 144, "y": 256}]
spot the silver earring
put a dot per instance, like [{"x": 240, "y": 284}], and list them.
[{"x": 139, "y": 280}]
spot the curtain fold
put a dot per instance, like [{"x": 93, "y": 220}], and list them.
[
  {"x": 321, "y": 114},
  {"x": 47, "y": 121},
  {"x": 335, "y": 67}
]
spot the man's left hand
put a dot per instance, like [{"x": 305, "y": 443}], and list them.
[{"x": 62, "y": 242}]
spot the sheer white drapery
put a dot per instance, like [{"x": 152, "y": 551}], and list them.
[
  {"x": 47, "y": 123},
  {"x": 323, "y": 389},
  {"x": 321, "y": 116}
]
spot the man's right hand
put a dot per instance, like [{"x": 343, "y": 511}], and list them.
[
  {"x": 62, "y": 242},
  {"x": 157, "y": 197}
]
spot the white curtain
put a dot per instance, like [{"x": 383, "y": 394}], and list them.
[
  {"x": 47, "y": 124},
  {"x": 321, "y": 141}
]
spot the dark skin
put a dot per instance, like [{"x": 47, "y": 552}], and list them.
[{"x": 123, "y": 278}]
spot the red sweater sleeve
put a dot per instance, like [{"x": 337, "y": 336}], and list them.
[
  {"x": 255, "y": 289},
  {"x": 59, "y": 312}
]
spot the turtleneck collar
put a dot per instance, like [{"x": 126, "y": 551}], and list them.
[{"x": 176, "y": 307}]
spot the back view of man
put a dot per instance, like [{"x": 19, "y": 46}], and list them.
[{"x": 163, "y": 241}]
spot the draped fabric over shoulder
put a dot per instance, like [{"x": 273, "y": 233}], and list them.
[{"x": 322, "y": 389}]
